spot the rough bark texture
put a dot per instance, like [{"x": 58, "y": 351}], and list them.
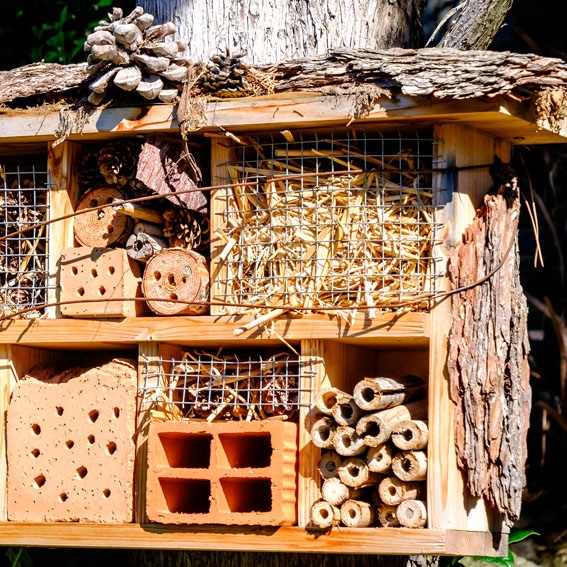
[
  {"x": 272, "y": 30},
  {"x": 476, "y": 24},
  {"x": 488, "y": 365},
  {"x": 144, "y": 558},
  {"x": 437, "y": 73}
]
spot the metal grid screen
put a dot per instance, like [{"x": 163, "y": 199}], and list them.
[
  {"x": 328, "y": 222},
  {"x": 24, "y": 200},
  {"x": 216, "y": 386}
]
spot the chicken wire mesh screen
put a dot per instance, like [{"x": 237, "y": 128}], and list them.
[
  {"x": 327, "y": 222},
  {"x": 237, "y": 385},
  {"x": 24, "y": 270}
]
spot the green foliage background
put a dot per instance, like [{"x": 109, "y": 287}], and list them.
[{"x": 49, "y": 30}]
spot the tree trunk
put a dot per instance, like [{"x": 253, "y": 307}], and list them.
[
  {"x": 278, "y": 29},
  {"x": 476, "y": 23}
]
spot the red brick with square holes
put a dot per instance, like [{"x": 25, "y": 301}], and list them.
[
  {"x": 70, "y": 447},
  {"x": 233, "y": 472}
]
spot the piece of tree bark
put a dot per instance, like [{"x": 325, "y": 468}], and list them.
[
  {"x": 488, "y": 358},
  {"x": 475, "y": 24},
  {"x": 309, "y": 28}
]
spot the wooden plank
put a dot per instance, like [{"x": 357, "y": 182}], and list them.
[
  {"x": 63, "y": 196},
  {"x": 404, "y": 330},
  {"x": 8, "y": 378},
  {"x": 500, "y": 116},
  {"x": 220, "y": 155},
  {"x": 384, "y": 541},
  {"x": 449, "y": 505}
]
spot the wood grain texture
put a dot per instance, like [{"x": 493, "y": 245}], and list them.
[{"x": 383, "y": 541}]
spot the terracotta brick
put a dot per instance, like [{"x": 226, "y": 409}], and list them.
[
  {"x": 233, "y": 472},
  {"x": 70, "y": 447},
  {"x": 100, "y": 273}
]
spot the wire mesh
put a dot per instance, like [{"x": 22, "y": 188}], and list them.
[
  {"x": 354, "y": 228},
  {"x": 239, "y": 385},
  {"x": 24, "y": 269}
]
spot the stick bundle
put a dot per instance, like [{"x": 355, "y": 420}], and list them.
[
  {"x": 23, "y": 259},
  {"x": 339, "y": 242},
  {"x": 369, "y": 468},
  {"x": 213, "y": 386}
]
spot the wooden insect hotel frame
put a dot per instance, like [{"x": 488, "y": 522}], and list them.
[{"x": 134, "y": 419}]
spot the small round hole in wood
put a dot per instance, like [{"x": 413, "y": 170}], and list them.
[
  {"x": 59, "y": 410},
  {"x": 63, "y": 497},
  {"x": 35, "y": 453},
  {"x": 93, "y": 415},
  {"x": 69, "y": 444},
  {"x": 106, "y": 493},
  {"x": 82, "y": 472},
  {"x": 36, "y": 429},
  {"x": 111, "y": 448}
]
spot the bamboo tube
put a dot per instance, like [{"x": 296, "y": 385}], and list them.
[
  {"x": 410, "y": 465},
  {"x": 346, "y": 412},
  {"x": 354, "y": 472},
  {"x": 392, "y": 490},
  {"x": 379, "y": 458},
  {"x": 357, "y": 514},
  {"x": 334, "y": 491},
  {"x": 387, "y": 516},
  {"x": 347, "y": 443},
  {"x": 329, "y": 464},
  {"x": 371, "y": 394},
  {"x": 328, "y": 399},
  {"x": 412, "y": 513},
  {"x": 149, "y": 228},
  {"x": 410, "y": 435},
  {"x": 142, "y": 246},
  {"x": 324, "y": 515},
  {"x": 323, "y": 433},
  {"x": 376, "y": 428}
]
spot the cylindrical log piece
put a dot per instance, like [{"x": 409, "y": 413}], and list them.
[
  {"x": 142, "y": 246},
  {"x": 392, "y": 490},
  {"x": 387, "y": 516},
  {"x": 324, "y": 515},
  {"x": 379, "y": 458},
  {"x": 357, "y": 514},
  {"x": 328, "y": 399},
  {"x": 410, "y": 465},
  {"x": 323, "y": 433},
  {"x": 329, "y": 464},
  {"x": 347, "y": 442},
  {"x": 410, "y": 435},
  {"x": 101, "y": 227},
  {"x": 179, "y": 275},
  {"x": 354, "y": 472},
  {"x": 411, "y": 513},
  {"x": 334, "y": 491},
  {"x": 376, "y": 428}
]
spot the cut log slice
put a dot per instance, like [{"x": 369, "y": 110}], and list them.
[
  {"x": 179, "y": 277},
  {"x": 101, "y": 227}
]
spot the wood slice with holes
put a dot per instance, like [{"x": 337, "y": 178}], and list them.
[
  {"x": 176, "y": 282},
  {"x": 101, "y": 227}
]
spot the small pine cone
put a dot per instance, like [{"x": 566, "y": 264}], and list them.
[
  {"x": 184, "y": 228},
  {"x": 117, "y": 162}
]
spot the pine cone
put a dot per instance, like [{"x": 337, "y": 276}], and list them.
[
  {"x": 184, "y": 228},
  {"x": 225, "y": 76},
  {"x": 117, "y": 162}
]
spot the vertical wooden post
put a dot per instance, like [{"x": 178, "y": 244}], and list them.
[
  {"x": 63, "y": 196},
  {"x": 459, "y": 193},
  {"x": 7, "y": 380},
  {"x": 220, "y": 155}
]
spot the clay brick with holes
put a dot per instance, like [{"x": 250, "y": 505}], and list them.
[
  {"x": 100, "y": 274},
  {"x": 241, "y": 473},
  {"x": 70, "y": 447}
]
